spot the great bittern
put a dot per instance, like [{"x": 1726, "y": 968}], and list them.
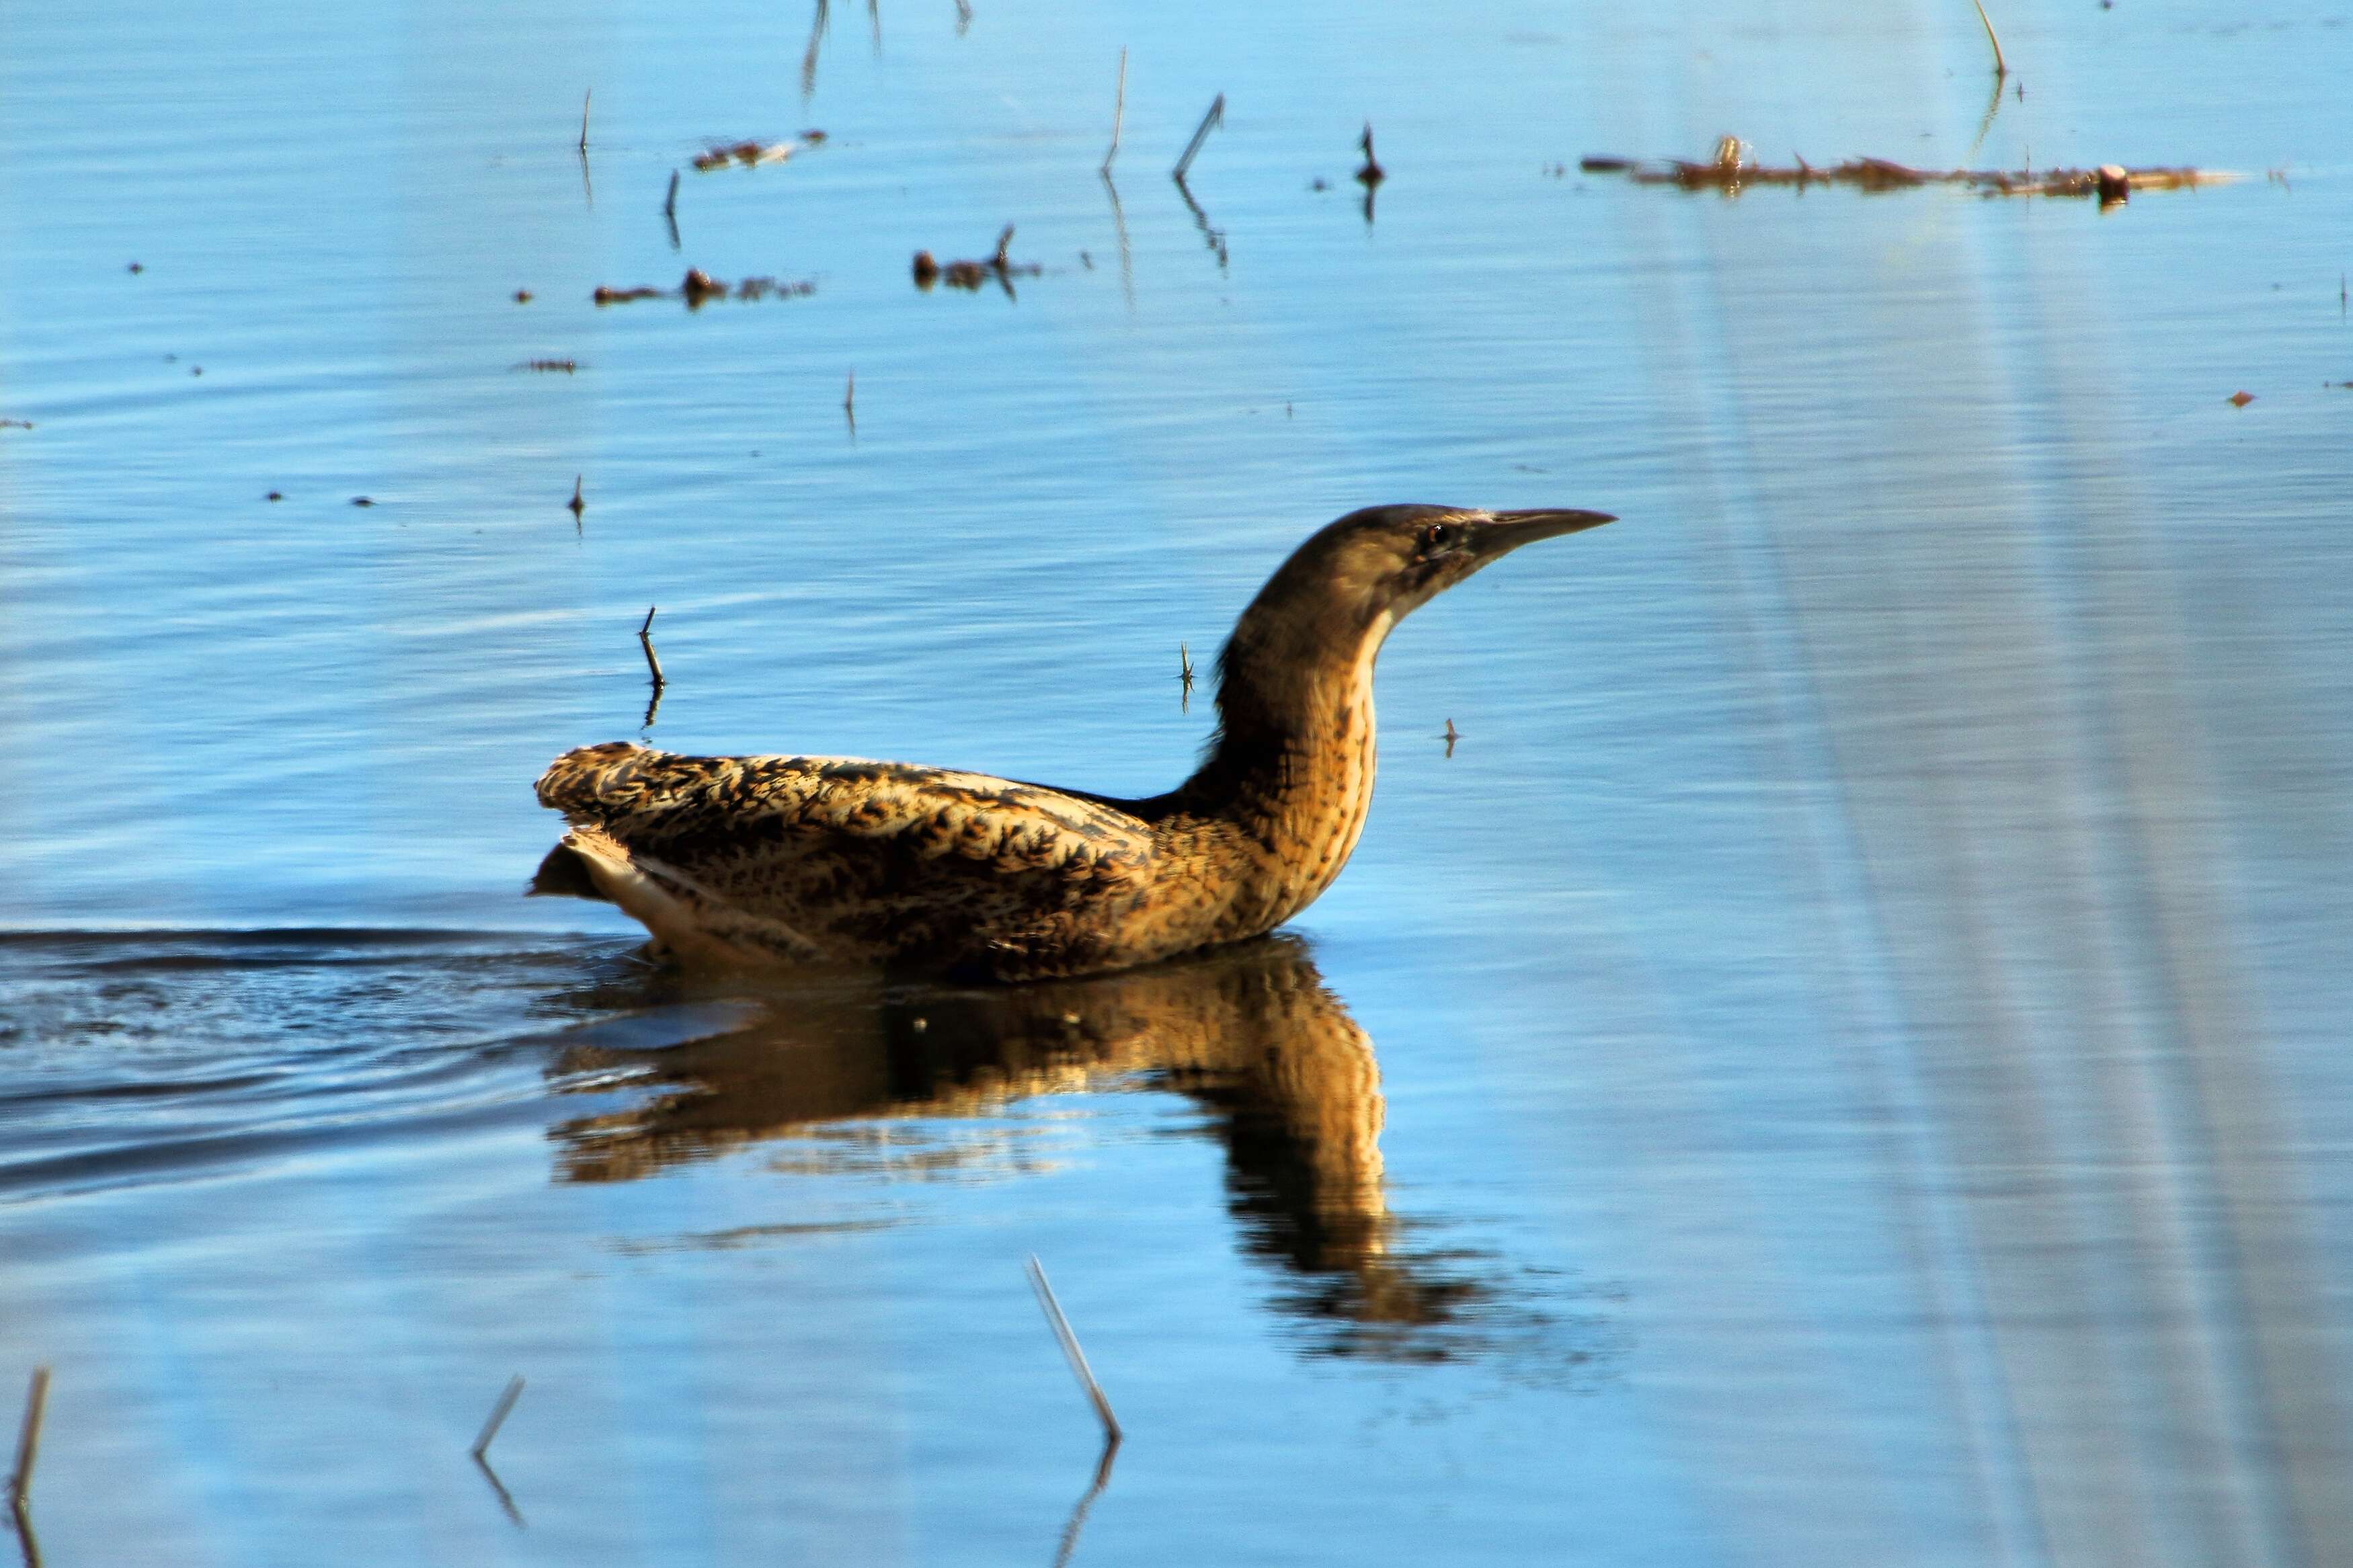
[{"x": 837, "y": 859}]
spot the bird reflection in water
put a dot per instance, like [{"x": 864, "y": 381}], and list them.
[{"x": 1288, "y": 1081}]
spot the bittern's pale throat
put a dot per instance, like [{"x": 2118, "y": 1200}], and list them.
[{"x": 837, "y": 859}]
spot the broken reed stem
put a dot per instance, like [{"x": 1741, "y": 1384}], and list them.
[
  {"x": 499, "y": 1412},
  {"x": 583, "y": 120},
  {"x": 647, "y": 643},
  {"x": 1217, "y": 116},
  {"x": 850, "y": 397},
  {"x": 2000, "y": 69},
  {"x": 1077, "y": 1357},
  {"x": 28, "y": 1439},
  {"x": 670, "y": 201},
  {"x": 1118, "y": 113}
]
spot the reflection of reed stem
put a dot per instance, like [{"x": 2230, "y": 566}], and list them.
[{"x": 1079, "y": 1514}]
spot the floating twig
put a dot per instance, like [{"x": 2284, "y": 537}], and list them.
[
  {"x": 1118, "y": 113},
  {"x": 1077, "y": 1357},
  {"x": 698, "y": 288},
  {"x": 575, "y": 505},
  {"x": 2000, "y": 69},
  {"x": 29, "y": 1441},
  {"x": 850, "y": 404},
  {"x": 1451, "y": 736},
  {"x": 751, "y": 155},
  {"x": 512, "y": 1392},
  {"x": 549, "y": 366},
  {"x": 1217, "y": 116},
  {"x": 1372, "y": 174},
  {"x": 1185, "y": 676},
  {"x": 973, "y": 274},
  {"x": 583, "y": 120},
  {"x": 1730, "y": 172}
]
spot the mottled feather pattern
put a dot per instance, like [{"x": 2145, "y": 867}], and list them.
[{"x": 871, "y": 860}]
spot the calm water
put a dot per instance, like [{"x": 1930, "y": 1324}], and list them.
[{"x": 1842, "y": 1063}]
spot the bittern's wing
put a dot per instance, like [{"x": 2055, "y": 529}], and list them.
[{"x": 859, "y": 858}]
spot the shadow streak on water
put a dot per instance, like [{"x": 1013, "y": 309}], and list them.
[{"x": 1289, "y": 1084}]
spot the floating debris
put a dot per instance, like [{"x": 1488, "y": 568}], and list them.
[
  {"x": 567, "y": 365},
  {"x": 698, "y": 288},
  {"x": 751, "y": 155},
  {"x": 16, "y": 425},
  {"x": 2240, "y": 399},
  {"x": 134, "y": 268},
  {"x": 361, "y": 500},
  {"x": 973, "y": 274},
  {"x": 576, "y": 506},
  {"x": 761, "y": 287},
  {"x": 1731, "y": 170},
  {"x": 1372, "y": 174},
  {"x": 275, "y": 495},
  {"x": 523, "y": 296}
]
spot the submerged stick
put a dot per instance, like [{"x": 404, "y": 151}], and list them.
[
  {"x": 2000, "y": 69},
  {"x": 1071, "y": 1351},
  {"x": 1216, "y": 117},
  {"x": 499, "y": 1412},
  {"x": 28, "y": 1440},
  {"x": 1118, "y": 113},
  {"x": 647, "y": 643}
]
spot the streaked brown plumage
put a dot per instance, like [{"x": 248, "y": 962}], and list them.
[{"x": 832, "y": 859}]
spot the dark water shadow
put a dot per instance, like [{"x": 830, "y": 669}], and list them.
[{"x": 1289, "y": 1084}]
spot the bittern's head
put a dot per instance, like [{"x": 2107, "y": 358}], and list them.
[
  {"x": 1372, "y": 568},
  {"x": 1328, "y": 607}
]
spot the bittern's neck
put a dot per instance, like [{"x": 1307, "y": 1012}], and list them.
[{"x": 1292, "y": 764}]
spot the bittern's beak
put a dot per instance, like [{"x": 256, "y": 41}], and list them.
[{"x": 1505, "y": 532}]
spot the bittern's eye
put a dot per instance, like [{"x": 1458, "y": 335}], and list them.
[{"x": 1438, "y": 536}]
